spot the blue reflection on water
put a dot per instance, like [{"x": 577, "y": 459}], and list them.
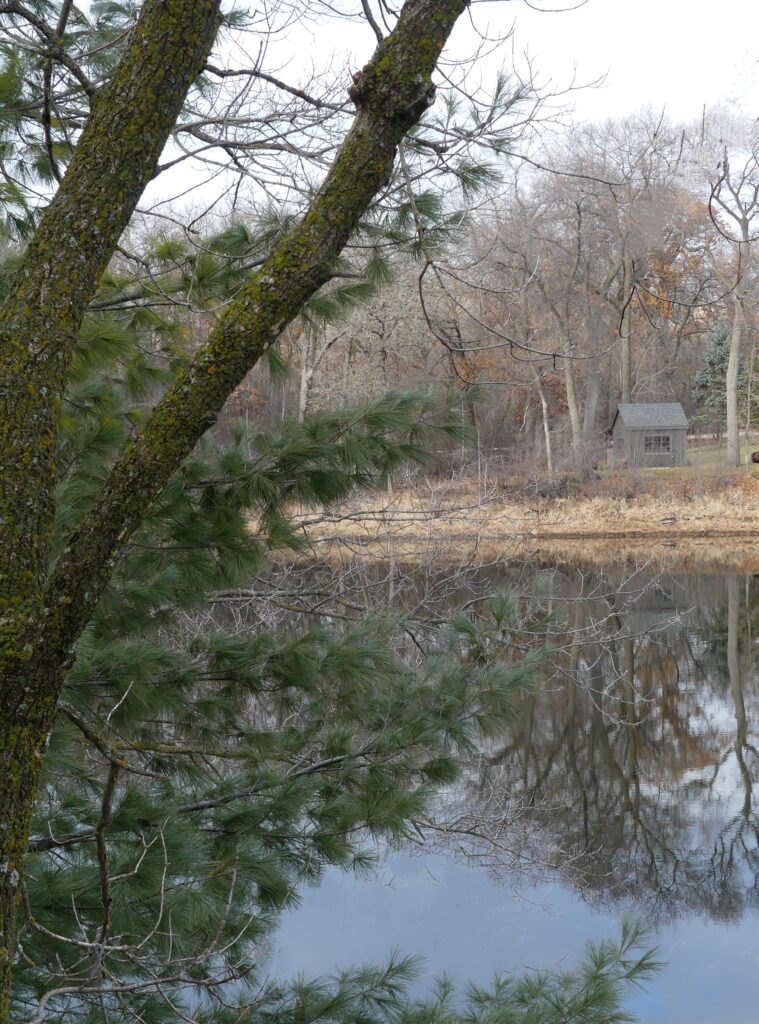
[
  {"x": 468, "y": 925},
  {"x": 685, "y": 646}
]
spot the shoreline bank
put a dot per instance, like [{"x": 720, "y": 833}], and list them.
[{"x": 715, "y": 531}]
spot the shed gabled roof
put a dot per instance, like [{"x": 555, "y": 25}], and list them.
[{"x": 654, "y": 415}]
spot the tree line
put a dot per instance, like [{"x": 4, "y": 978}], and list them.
[{"x": 617, "y": 266}]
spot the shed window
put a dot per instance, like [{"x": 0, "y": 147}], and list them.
[{"x": 657, "y": 443}]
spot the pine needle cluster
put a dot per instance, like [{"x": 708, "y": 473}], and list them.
[{"x": 203, "y": 768}]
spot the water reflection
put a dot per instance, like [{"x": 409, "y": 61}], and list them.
[
  {"x": 627, "y": 781},
  {"x": 638, "y": 758},
  {"x": 630, "y": 770}
]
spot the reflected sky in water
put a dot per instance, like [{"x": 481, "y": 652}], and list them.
[
  {"x": 466, "y": 924},
  {"x": 634, "y": 769}
]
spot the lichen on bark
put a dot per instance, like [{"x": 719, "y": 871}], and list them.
[
  {"x": 42, "y": 618},
  {"x": 58, "y": 274},
  {"x": 395, "y": 88}
]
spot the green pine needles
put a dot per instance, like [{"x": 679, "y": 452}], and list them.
[{"x": 207, "y": 762}]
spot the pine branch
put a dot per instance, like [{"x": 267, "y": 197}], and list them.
[
  {"x": 49, "y": 295},
  {"x": 390, "y": 96}
]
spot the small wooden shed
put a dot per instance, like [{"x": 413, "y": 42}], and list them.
[{"x": 650, "y": 434}]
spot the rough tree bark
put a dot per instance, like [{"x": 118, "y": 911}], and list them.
[
  {"x": 114, "y": 160},
  {"x": 41, "y": 615}
]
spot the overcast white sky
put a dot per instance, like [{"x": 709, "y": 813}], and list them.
[{"x": 677, "y": 54}]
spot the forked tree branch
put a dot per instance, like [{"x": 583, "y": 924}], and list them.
[
  {"x": 390, "y": 94},
  {"x": 42, "y": 618}
]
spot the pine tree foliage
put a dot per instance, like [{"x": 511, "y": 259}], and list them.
[
  {"x": 591, "y": 993},
  {"x": 37, "y": 135},
  {"x": 204, "y": 768},
  {"x": 49, "y": 81},
  {"x": 197, "y": 776},
  {"x": 709, "y": 383}
]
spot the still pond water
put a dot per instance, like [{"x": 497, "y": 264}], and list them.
[{"x": 627, "y": 784}]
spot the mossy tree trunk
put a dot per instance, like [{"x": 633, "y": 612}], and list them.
[
  {"x": 116, "y": 156},
  {"x": 42, "y": 616}
]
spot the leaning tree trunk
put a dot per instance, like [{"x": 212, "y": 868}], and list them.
[
  {"x": 41, "y": 619},
  {"x": 113, "y": 162}
]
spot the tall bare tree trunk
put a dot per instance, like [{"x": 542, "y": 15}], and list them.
[
  {"x": 735, "y": 196},
  {"x": 626, "y": 329},
  {"x": 569, "y": 378},
  {"x": 546, "y": 427},
  {"x": 731, "y": 383},
  {"x": 590, "y": 412},
  {"x": 306, "y": 373},
  {"x": 749, "y": 399},
  {"x": 574, "y": 413},
  {"x": 347, "y": 368},
  {"x": 312, "y": 352},
  {"x": 592, "y": 384}
]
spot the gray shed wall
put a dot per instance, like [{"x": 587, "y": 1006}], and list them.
[{"x": 629, "y": 446}]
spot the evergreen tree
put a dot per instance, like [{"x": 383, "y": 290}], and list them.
[
  {"x": 111, "y": 125},
  {"x": 709, "y": 383},
  {"x": 201, "y": 769},
  {"x": 166, "y": 782}
]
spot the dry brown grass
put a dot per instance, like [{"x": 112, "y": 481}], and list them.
[{"x": 672, "y": 523}]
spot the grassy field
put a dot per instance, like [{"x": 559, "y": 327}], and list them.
[{"x": 704, "y": 515}]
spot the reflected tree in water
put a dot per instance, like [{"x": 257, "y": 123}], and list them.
[
  {"x": 630, "y": 769},
  {"x": 638, "y": 761}
]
